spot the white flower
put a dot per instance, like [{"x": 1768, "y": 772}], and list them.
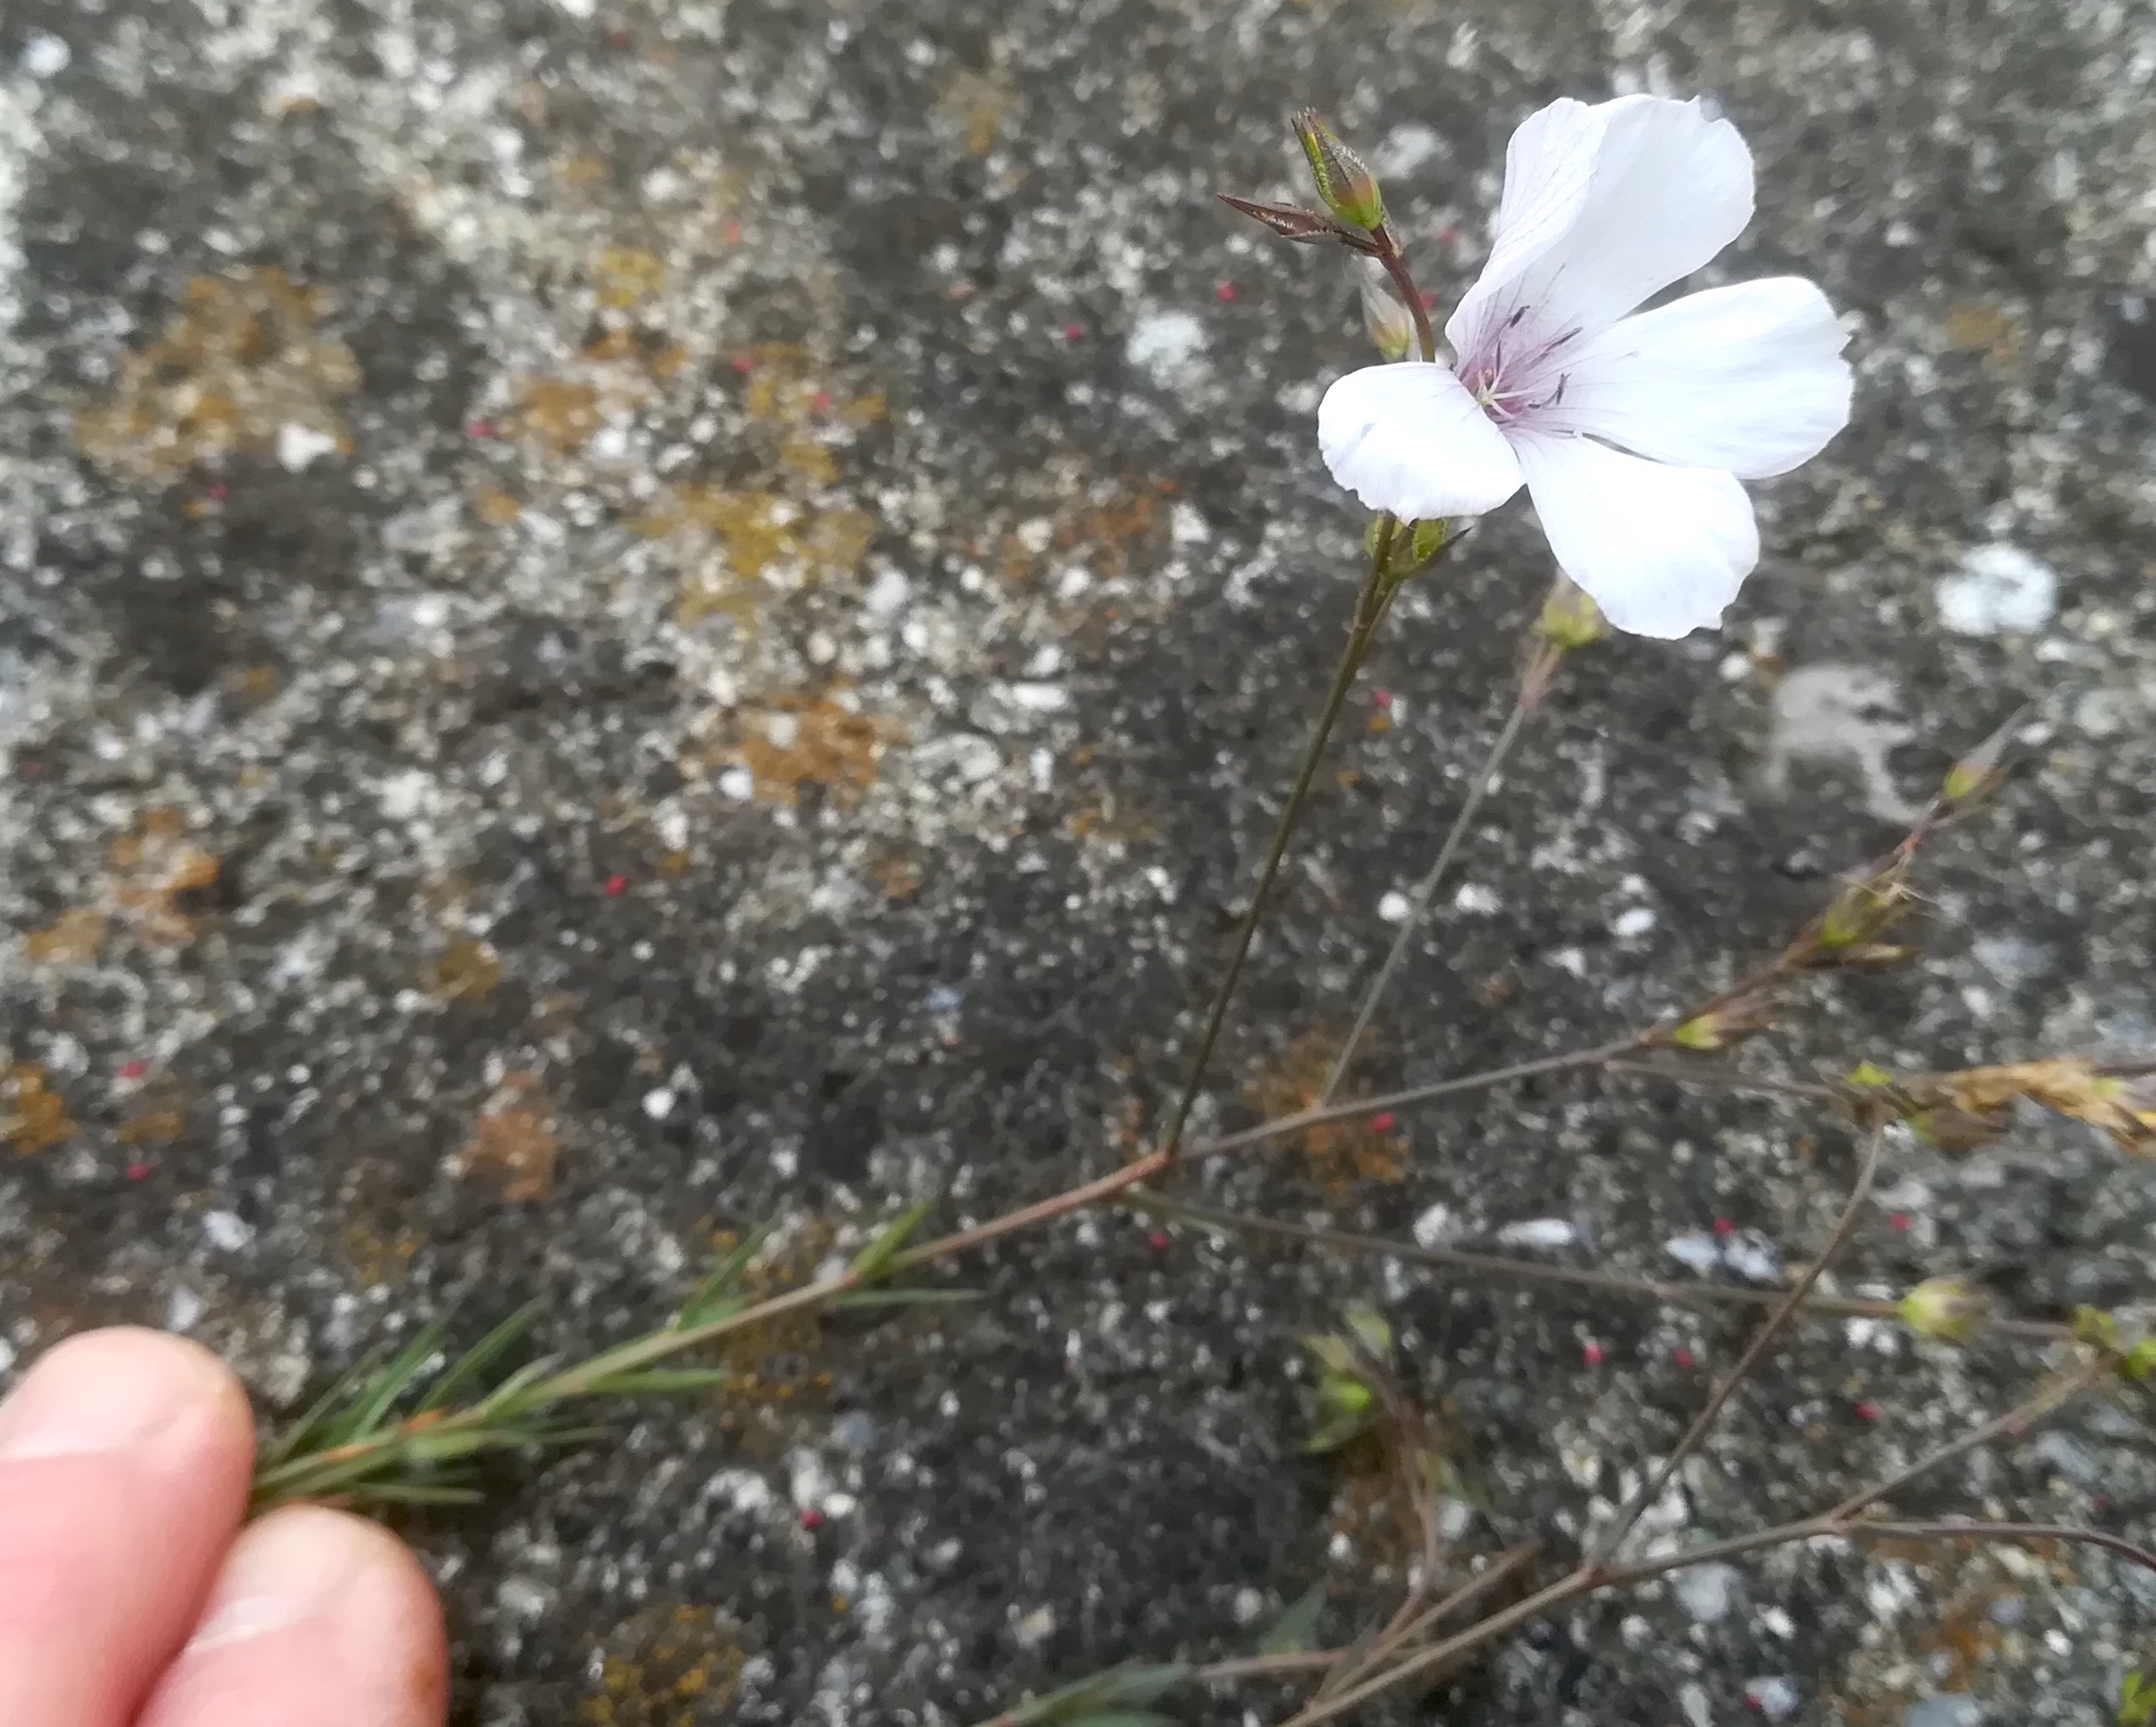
[{"x": 1630, "y": 432}]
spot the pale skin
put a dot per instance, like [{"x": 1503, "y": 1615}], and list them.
[{"x": 131, "y": 1594}]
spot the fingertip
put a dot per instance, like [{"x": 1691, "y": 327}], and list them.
[
  {"x": 125, "y": 1388},
  {"x": 318, "y": 1619}
]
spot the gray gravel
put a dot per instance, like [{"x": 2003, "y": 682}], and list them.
[{"x": 623, "y": 617}]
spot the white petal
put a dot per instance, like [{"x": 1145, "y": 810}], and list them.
[
  {"x": 1661, "y": 549},
  {"x": 1748, "y": 378},
  {"x": 1668, "y": 189},
  {"x": 1410, "y": 439}
]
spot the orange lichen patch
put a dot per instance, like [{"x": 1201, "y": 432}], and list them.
[
  {"x": 495, "y": 506},
  {"x": 33, "y": 1116},
  {"x": 1958, "y": 1641},
  {"x": 1121, "y": 526},
  {"x": 152, "y": 867},
  {"x": 676, "y": 1666},
  {"x": 237, "y": 363},
  {"x": 627, "y": 274},
  {"x": 468, "y": 970},
  {"x": 1986, "y": 327},
  {"x": 800, "y": 738},
  {"x": 155, "y": 1124},
  {"x": 71, "y": 939},
  {"x": 1110, "y": 819},
  {"x": 896, "y": 875},
  {"x": 514, "y": 1140},
  {"x": 1341, "y": 1153}
]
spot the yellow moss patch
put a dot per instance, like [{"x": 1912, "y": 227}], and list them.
[
  {"x": 625, "y": 275},
  {"x": 676, "y": 1666},
  {"x": 468, "y": 970},
  {"x": 33, "y": 1116},
  {"x": 752, "y": 537},
  {"x": 1986, "y": 327},
  {"x": 239, "y": 362}
]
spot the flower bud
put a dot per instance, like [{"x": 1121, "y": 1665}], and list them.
[
  {"x": 1345, "y": 184},
  {"x": 1945, "y": 1308},
  {"x": 1570, "y": 619},
  {"x": 1385, "y": 314},
  {"x": 1732, "y": 1022}
]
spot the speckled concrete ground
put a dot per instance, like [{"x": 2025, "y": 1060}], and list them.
[{"x": 622, "y": 616}]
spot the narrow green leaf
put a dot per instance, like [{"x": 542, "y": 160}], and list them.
[
  {"x": 871, "y": 1261},
  {"x": 710, "y": 1299},
  {"x": 314, "y": 1420},
  {"x": 418, "y": 1493},
  {"x": 1296, "y": 1631},
  {"x": 648, "y": 1380},
  {"x": 506, "y": 1398},
  {"x": 474, "y": 1362},
  {"x": 906, "y": 1298},
  {"x": 1118, "y": 1718},
  {"x": 394, "y": 1381}
]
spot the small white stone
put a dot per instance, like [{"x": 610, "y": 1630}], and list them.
[
  {"x": 1538, "y": 1232},
  {"x": 1636, "y": 922},
  {"x": 1165, "y": 346},
  {"x": 1753, "y": 1257},
  {"x": 658, "y": 1104},
  {"x": 1774, "y": 1697},
  {"x": 886, "y": 594},
  {"x": 1999, "y": 590},
  {"x": 181, "y": 1309},
  {"x": 1697, "y": 1253},
  {"x": 44, "y": 55},
  {"x": 1707, "y": 1593},
  {"x": 226, "y": 1231},
  {"x": 1394, "y": 907},
  {"x": 298, "y": 446},
  {"x": 737, "y": 783},
  {"x": 1031, "y": 1630},
  {"x": 1474, "y": 897},
  {"x": 1435, "y": 1227},
  {"x": 1404, "y": 150},
  {"x": 1039, "y": 698},
  {"x": 1187, "y": 524}
]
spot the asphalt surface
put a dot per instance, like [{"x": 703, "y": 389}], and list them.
[{"x": 619, "y": 620}]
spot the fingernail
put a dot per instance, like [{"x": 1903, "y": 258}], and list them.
[
  {"x": 106, "y": 1391},
  {"x": 285, "y": 1570}
]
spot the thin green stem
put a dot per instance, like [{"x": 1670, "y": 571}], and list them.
[
  {"x": 1370, "y": 610},
  {"x": 1418, "y": 902},
  {"x": 1395, "y": 260},
  {"x": 1726, "y": 1387},
  {"x": 1213, "y": 1217},
  {"x": 1386, "y": 1101}
]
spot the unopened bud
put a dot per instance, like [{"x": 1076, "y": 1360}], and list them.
[
  {"x": 1717, "y": 1027},
  {"x": 1385, "y": 314},
  {"x": 1945, "y": 1308},
  {"x": 1978, "y": 773},
  {"x": 1345, "y": 183},
  {"x": 1570, "y": 619},
  {"x": 1369, "y": 1329}
]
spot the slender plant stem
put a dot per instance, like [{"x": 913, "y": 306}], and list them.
[
  {"x": 1370, "y": 611},
  {"x": 1418, "y": 902},
  {"x": 1588, "y": 1579},
  {"x": 1947, "y": 1529},
  {"x": 1395, "y": 261},
  {"x": 2012, "y": 1425},
  {"x": 1180, "y": 1210},
  {"x": 1725, "y": 1387},
  {"x": 1721, "y": 1079},
  {"x": 1402, "y": 1099}
]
